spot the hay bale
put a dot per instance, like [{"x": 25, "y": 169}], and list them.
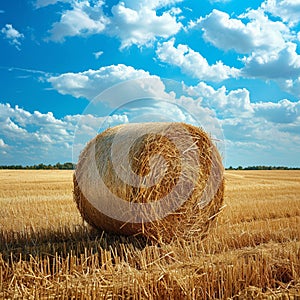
[{"x": 159, "y": 180}]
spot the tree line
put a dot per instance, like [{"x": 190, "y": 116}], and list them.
[
  {"x": 263, "y": 168},
  {"x": 57, "y": 166},
  {"x": 71, "y": 166}
]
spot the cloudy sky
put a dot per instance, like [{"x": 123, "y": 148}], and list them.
[{"x": 69, "y": 66}]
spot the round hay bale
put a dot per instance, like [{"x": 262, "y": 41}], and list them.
[{"x": 159, "y": 180}]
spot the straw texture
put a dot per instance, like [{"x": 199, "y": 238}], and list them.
[{"x": 159, "y": 180}]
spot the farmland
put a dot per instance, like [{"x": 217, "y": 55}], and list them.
[{"x": 48, "y": 252}]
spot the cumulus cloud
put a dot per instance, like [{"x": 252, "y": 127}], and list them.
[
  {"x": 38, "y": 137},
  {"x": 151, "y": 4},
  {"x": 83, "y": 19},
  {"x": 41, "y": 137},
  {"x": 32, "y": 137},
  {"x": 16, "y": 124},
  {"x": 253, "y": 143},
  {"x": 141, "y": 26},
  {"x": 292, "y": 86},
  {"x": 143, "y": 98},
  {"x": 219, "y": 1},
  {"x": 89, "y": 84},
  {"x": 13, "y": 36},
  {"x": 287, "y": 10},
  {"x": 133, "y": 22},
  {"x": 193, "y": 63},
  {"x": 283, "y": 111},
  {"x": 121, "y": 84},
  {"x": 227, "y": 104},
  {"x": 282, "y": 64},
  {"x": 94, "y": 122},
  {"x": 236, "y": 105},
  {"x": 42, "y": 3},
  {"x": 269, "y": 45},
  {"x": 226, "y": 33}
]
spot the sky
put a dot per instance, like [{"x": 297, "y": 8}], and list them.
[{"x": 71, "y": 68}]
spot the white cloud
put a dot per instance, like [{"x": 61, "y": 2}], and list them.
[
  {"x": 133, "y": 22},
  {"x": 42, "y": 3},
  {"x": 12, "y": 35},
  {"x": 2, "y": 144},
  {"x": 283, "y": 111},
  {"x": 287, "y": 10},
  {"x": 37, "y": 137},
  {"x": 98, "y": 54},
  {"x": 269, "y": 137},
  {"x": 87, "y": 126},
  {"x": 226, "y": 103},
  {"x": 270, "y": 45},
  {"x": 83, "y": 19},
  {"x": 219, "y": 1},
  {"x": 17, "y": 124},
  {"x": 259, "y": 141},
  {"x": 174, "y": 11},
  {"x": 141, "y": 26},
  {"x": 13, "y": 127},
  {"x": 226, "y": 33},
  {"x": 193, "y": 63},
  {"x": 92, "y": 121},
  {"x": 236, "y": 105},
  {"x": 282, "y": 64},
  {"x": 151, "y": 4},
  {"x": 292, "y": 86},
  {"x": 89, "y": 84}
]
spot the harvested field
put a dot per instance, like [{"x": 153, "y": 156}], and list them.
[{"x": 47, "y": 252}]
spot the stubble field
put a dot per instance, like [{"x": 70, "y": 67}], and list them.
[{"x": 47, "y": 252}]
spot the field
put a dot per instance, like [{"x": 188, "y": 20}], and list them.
[{"x": 47, "y": 252}]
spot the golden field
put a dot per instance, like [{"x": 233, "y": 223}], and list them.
[{"x": 47, "y": 252}]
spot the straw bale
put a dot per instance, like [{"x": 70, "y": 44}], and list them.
[{"x": 159, "y": 180}]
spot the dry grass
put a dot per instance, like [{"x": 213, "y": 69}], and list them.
[{"x": 46, "y": 252}]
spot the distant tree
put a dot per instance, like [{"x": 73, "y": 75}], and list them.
[
  {"x": 68, "y": 166},
  {"x": 71, "y": 166}
]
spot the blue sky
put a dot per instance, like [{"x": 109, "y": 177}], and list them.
[{"x": 232, "y": 67}]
